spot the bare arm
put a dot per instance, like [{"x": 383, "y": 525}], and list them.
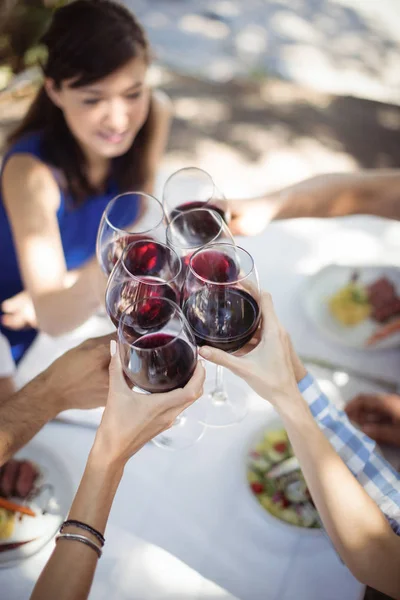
[
  {"x": 31, "y": 197},
  {"x": 374, "y": 192},
  {"x": 78, "y": 379},
  {"x": 354, "y": 522},
  {"x": 129, "y": 421},
  {"x": 7, "y": 388},
  {"x": 92, "y": 505},
  {"x": 24, "y": 413},
  {"x": 356, "y": 526}
]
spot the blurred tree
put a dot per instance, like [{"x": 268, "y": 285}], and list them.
[{"x": 22, "y": 24}]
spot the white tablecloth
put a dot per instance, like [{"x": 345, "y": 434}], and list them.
[{"x": 183, "y": 525}]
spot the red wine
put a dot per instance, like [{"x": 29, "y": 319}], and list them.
[
  {"x": 160, "y": 362},
  {"x": 224, "y": 318},
  {"x": 113, "y": 250},
  {"x": 123, "y": 295},
  {"x": 199, "y": 228},
  {"x": 198, "y": 204},
  {"x": 215, "y": 266}
]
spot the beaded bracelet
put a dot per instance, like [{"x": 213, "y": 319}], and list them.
[
  {"x": 80, "y": 538},
  {"x": 88, "y": 528}
]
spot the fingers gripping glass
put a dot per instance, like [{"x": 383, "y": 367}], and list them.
[
  {"x": 158, "y": 354},
  {"x": 220, "y": 300}
]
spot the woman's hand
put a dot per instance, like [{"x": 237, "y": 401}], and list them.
[
  {"x": 131, "y": 419},
  {"x": 19, "y": 312},
  {"x": 272, "y": 369}
]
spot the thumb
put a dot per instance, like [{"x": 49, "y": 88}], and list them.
[
  {"x": 117, "y": 381},
  {"x": 219, "y": 357}
]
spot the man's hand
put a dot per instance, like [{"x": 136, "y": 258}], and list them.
[
  {"x": 251, "y": 217},
  {"x": 79, "y": 378},
  {"x": 378, "y": 415}
]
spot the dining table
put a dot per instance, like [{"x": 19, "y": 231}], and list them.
[{"x": 184, "y": 524}]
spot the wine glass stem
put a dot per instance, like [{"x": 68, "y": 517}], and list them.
[{"x": 219, "y": 394}]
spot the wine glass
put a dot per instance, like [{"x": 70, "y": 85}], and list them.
[
  {"x": 221, "y": 301},
  {"x": 188, "y": 231},
  {"x": 145, "y": 269},
  {"x": 159, "y": 354},
  {"x": 128, "y": 217},
  {"x": 193, "y": 188}
]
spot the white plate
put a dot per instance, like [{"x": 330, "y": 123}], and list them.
[
  {"x": 255, "y": 438},
  {"x": 58, "y": 501},
  {"x": 326, "y": 282}
]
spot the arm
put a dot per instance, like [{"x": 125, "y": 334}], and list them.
[
  {"x": 129, "y": 421},
  {"x": 7, "y": 368},
  {"x": 357, "y": 526},
  {"x": 358, "y": 451},
  {"x": 374, "y": 192},
  {"x": 92, "y": 505},
  {"x": 24, "y": 413},
  {"x": 31, "y": 198},
  {"x": 78, "y": 379}
]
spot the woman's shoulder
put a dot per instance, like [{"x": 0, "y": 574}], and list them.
[{"x": 26, "y": 179}]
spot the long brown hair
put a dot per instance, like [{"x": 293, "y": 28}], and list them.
[{"x": 88, "y": 40}]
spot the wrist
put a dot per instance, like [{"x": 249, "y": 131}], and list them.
[
  {"x": 100, "y": 459},
  {"x": 292, "y": 407},
  {"x": 52, "y": 398},
  {"x": 107, "y": 452}
]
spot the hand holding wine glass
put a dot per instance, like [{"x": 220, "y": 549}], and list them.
[
  {"x": 272, "y": 369},
  {"x": 159, "y": 354},
  {"x": 130, "y": 419},
  {"x": 221, "y": 303}
]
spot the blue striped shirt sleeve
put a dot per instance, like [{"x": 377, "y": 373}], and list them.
[{"x": 358, "y": 451}]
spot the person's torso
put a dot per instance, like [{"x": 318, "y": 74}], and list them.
[{"x": 78, "y": 226}]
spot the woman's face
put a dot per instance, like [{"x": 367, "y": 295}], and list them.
[{"x": 106, "y": 116}]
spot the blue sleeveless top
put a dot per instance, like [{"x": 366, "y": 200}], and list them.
[{"x": 78, "y": 230}]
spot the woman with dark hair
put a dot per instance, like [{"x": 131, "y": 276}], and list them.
[{"x": 94, "y": 130}]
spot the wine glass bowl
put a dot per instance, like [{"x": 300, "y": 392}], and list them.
[
  {"x": 159, "y": 353},
  {"x": 190, "y": 188},
  {"x": 221, "y": 297},
  {"x": 193, "y": 229},
  {"x": 145, "y": 269},
  {"x": 221, "y": 301},
  {"x": 128, "y": 217}
]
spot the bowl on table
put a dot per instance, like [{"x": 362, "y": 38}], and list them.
[{"x": 275, "y": 482}]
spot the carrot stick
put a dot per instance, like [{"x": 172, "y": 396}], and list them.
[{"x": 7, "y": 505}]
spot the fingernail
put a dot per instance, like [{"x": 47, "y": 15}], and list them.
[
  {"x": 113, "y": 347},
  {"x": 206, "y": 352},
  {"x": 202, "y": 362}
]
